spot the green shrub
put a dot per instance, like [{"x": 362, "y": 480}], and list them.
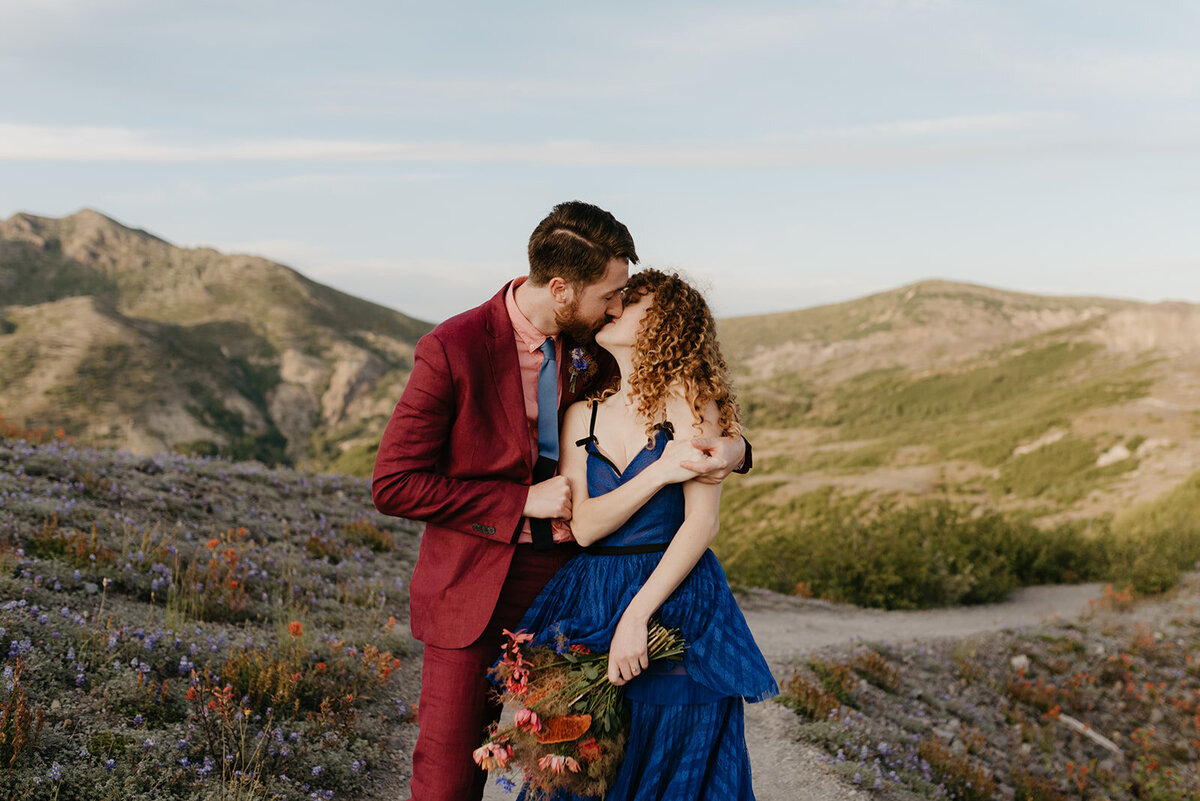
[
  {"x": 1154, "y": 542},
  {"x": 933, "y": 553}
]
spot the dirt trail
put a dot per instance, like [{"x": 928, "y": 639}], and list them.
[{"x": 787, "y": 628}]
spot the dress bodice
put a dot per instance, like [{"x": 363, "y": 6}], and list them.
[{"x": 660, "y": 517}]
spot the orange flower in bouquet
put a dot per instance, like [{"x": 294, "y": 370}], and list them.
[{"x": 569, "y": 731}]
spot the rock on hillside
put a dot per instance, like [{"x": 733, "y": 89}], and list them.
[{"x": 125, "y": 339}]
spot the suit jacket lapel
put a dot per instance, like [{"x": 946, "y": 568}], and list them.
[{"x": 506, "y": 373}]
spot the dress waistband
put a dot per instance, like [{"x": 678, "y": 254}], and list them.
[{"x": 618, "y": 550}]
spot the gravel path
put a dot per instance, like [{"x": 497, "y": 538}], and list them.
[{"x": 787, "y": 628}]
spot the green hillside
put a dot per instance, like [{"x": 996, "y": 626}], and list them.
[{"x": 911, "y": 433}]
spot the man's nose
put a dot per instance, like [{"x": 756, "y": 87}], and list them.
[{"x": 615, "y": 307}]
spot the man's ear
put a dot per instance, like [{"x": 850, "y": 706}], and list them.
[{"x": 560, "y": 290}]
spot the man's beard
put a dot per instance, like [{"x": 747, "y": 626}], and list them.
[{"x": 571, "y": 324}]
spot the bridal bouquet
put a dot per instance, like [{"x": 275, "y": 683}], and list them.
[{"x": 568, "y": 732}]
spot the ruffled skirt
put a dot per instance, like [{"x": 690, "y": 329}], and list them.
[
  {"x": 585, "y": 601},
  {"x": 687, "y": 727}
]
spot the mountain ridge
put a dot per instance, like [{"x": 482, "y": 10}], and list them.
[
  {"x": 934, "y": 384},
  {"x": 266, "y": 362}
]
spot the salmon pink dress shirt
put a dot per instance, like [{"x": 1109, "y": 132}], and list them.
[{"x": 529, "y": 355}]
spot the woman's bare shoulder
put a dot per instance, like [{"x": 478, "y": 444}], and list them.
[{"x": 682, "y": 415}]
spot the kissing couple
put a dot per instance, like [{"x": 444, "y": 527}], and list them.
[{"x": 565, "y": 444}]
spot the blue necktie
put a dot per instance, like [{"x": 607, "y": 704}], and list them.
[
  {"x": 547, "y": 398},
  {"x": 547, "y": 461}
]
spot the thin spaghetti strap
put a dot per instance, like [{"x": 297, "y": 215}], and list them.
[{"x": 591, "y": 437}]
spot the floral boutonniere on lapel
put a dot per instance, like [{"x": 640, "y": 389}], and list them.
[{"x": 583, "y": 365}]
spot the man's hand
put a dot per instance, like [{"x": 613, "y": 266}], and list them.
[
  {"x": 672, "y": 465},
  {"x": 550, "y": 499},
  {"x": 721, "y": 456}
]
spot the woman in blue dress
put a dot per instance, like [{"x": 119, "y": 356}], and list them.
[{"x": 646, "y": 528}]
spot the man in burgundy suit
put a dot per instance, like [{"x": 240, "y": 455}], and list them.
[{"x": 462, "y": 453}]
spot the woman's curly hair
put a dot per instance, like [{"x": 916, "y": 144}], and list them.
[{"x": 676, "y": 345}]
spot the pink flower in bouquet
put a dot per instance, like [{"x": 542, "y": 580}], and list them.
[
  {"x": 558, "y": 764},
  {"x": 518, "y": 683},
  {"x": 519, "y": 637},
  {"x": 528, "y": 720},
  {"x": 492, "y": 755}
]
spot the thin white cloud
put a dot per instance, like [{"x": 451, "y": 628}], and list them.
[
  {"x": 1173, "y": 74},
  {"x": 730, "y": 32},
  {"x": 970, "y": 123},
  {"x": 34, "y": 143},
  {"x": 335, "y": 182},
  {"x": 374, "y": 96}
]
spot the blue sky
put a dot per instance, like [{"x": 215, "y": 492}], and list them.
[{"x": 785, "y": 154}]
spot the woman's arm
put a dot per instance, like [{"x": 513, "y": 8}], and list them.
[
  {"x": 593, "y": 519},
  {"x": 627, "y": 655}
]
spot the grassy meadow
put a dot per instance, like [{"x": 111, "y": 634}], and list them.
[{"x": 191, "y": 628}]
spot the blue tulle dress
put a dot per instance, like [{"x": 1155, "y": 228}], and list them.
[{"x": 686, "y": 737}]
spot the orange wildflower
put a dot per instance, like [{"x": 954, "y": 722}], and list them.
[
  {"x": 295, "y": 629},
  {"x": 564, "y": 729}
]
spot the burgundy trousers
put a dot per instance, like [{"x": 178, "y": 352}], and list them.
[{"x": 456, "y": 705}]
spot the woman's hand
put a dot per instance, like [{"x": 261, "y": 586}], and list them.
[
  {"x": 628, "y": 654},
  {"x": 670, "y": 465}
]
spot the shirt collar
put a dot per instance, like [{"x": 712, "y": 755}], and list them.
[{"x": 526, "y": 332}]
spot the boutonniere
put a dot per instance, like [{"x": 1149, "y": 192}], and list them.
[{"x": 582, "y": 364}]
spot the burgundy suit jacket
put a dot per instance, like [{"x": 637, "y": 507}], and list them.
[{"x": 456, "y": 454}]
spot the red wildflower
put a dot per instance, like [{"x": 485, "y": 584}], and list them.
[
  {"x": 295, "y": 629},
  {"x": 589, "y": 750}
]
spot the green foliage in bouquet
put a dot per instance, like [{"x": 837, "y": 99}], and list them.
[{"x": 570, "y": 731}]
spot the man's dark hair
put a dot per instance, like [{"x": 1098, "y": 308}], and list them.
[{"x": 576, "y": 242}]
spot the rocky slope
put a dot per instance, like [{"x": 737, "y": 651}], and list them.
[{"x": 124, "y": 339}]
